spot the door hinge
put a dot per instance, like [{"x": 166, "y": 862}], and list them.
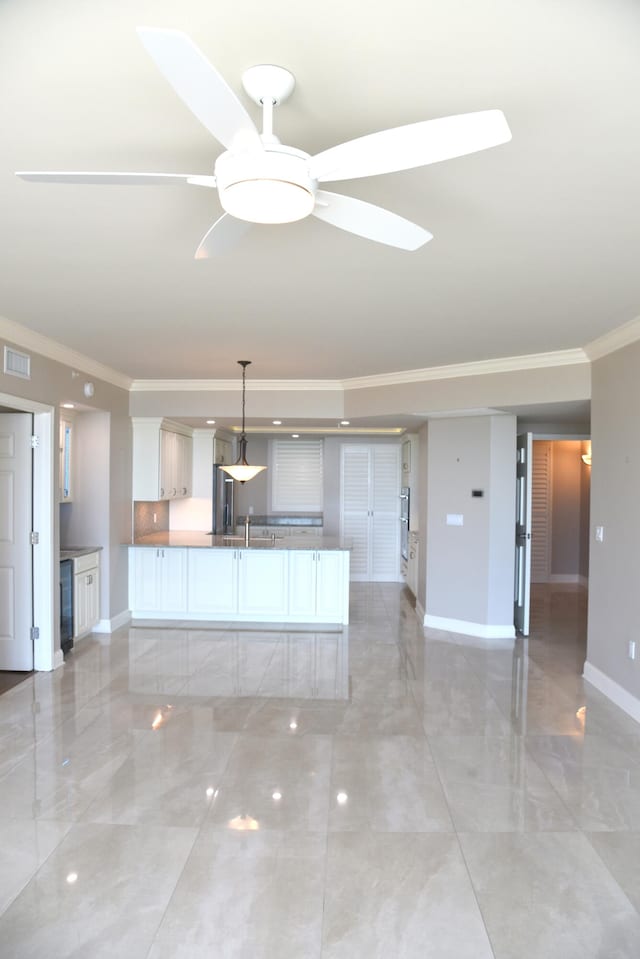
[
  {"x": 35, "y": 442},
  {"x": 35, "y": 633},
  {"x": 34, "y": 538}
]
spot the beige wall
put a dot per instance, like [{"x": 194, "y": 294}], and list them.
[
  {"x": 566, "y": 507},
  {"x": 615, "y": 485},
  {"x": 469, "y": 568}
]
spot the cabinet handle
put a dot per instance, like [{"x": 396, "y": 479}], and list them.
[
  {"x": 184, "y": 490},
  {"x": 161, "y": 492},
  {"x": 173, "y": 492}
]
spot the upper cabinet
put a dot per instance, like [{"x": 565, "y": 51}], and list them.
[
  {"x": 65, "y": 484},
  {"x": 162, "y": 459}
]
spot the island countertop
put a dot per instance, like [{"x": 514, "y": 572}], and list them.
[{"x": 193, "y": 539}]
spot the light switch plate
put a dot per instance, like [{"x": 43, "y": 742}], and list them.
[
  {"x": 599, "y": 534},
  {"x": 455, "y": 519}
]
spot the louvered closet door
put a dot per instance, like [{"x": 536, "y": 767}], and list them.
[
  {"x": 385, "y": 519},
  {"x": 354, "y": 513},
  {"x": 370, "y": 513},
  {"x": 541, "y": 512}
]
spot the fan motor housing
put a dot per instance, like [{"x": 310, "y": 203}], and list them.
[{"x": 272, "y": 186}]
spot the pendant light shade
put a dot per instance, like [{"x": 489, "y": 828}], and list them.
[{"x": 241, "y": 470}]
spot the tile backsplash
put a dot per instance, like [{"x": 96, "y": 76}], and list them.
[{"x": 150, "y": 517}]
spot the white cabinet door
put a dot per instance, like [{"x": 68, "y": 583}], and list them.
[
  {"x": 86, "y": 600},
  {"x": 185, "y": 464},
  {"x": 173, "y": 574},
  {"x": 302, "y": 582},
  {"x": 144, "y": 579},
  {"x": 158, "y": 579},
  {"x": 330, "y": 584},
  {"x": 168, "y": 470},
  {"x": 262, "y": 582},
  {"x": 213, "y": 581}
]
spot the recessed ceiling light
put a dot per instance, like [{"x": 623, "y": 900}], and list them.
[
  {"x": 277, "y": 422},
  {"x": 68, "y": 406},
  {"x": 344, "y": 422},
  {"x": 210, "y": 422},
  {"x": 342, "y": 798},
  {"x": 295, "y": 436}
]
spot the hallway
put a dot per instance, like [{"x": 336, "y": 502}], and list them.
[{"x": 380, "y": 791}]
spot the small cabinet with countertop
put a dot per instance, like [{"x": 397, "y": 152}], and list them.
[{"x": 86, "y": 588}]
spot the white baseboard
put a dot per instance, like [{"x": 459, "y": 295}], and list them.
[
  {"x": 110, "y": 625},
  {"x": 564, "y": 578},
  {"x": 482, "y": 630},
  {"x": 584, "y": 581},
  {"x": 58, "y": 659},
  {"x": 612, "y": 690}
]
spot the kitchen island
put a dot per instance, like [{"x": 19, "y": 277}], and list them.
[{"x": 185, "y": 575}]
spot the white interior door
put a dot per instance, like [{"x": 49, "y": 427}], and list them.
[
  {"x": 16, "y": 600},
  {"x": 523, "y": 533}
]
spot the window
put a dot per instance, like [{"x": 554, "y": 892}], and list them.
[{"x": 296, "y": 475}]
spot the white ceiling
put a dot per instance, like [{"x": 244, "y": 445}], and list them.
[{"x": 536, "y": 242}]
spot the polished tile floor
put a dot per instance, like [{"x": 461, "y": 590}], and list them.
[{"x": 381, "y": 791}]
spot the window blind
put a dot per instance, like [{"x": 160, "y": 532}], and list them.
[{"x": 296, "y": 475}]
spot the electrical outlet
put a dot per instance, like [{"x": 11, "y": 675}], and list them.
[
  {"x": 599, "y": 534},
  {"x": 632, "y": 649}
]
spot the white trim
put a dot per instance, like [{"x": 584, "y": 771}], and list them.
[
  {"x": 564, "y": 578},
  {"x": 45, "y": 346},
  {"x": 614, "y": 340},
  {"x": 58, "y": 659},
  {"x": 612, "y": 690},
  {"x": 223, "y": 386},
  {"x": 505, "y": 364},
  {"x": 110, "y": 625},
  {"x": 583, "y": 581},
  {"x": 483, "y": 630}
]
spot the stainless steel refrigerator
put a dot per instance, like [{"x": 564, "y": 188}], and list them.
[{"x": 222, "y": 502}]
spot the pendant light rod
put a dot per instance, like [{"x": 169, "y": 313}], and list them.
[{"x": 240, "y": 470}]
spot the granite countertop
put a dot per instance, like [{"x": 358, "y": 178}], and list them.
[
  {"x": 72, "y": 552},
  {"x": 194, "y": 539}
]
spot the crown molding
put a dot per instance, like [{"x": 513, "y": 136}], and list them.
[
  {"x": 221, "y": 386},
  {"x": 505, "y": 364},
  {"x": 614, "y": 340},
  {"x": 30, "y": 340}
]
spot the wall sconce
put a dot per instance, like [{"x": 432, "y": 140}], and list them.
[{"x": 586, "y": 458}]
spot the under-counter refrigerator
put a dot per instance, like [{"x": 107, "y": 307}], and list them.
[{"x": 222, "y": 502}]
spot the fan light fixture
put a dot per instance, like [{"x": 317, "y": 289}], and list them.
[
  {"x": 270, "y": 187},
  {"x": 240, "y": 470}
]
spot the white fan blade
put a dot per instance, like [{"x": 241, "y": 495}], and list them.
[
  {"x": 372, "y": 222},
  {"x": 223, "y": 236},
  {"x": 201, "y": 88},
  {"x": 417, "y": 144},
  {"x": 121, "y": 179}
]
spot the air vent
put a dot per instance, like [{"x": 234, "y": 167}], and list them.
[{"x": 17, "y": 364}]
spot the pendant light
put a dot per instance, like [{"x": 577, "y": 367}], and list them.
[{"x": 240, "y": 470}]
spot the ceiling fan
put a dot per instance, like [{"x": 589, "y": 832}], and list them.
[{"x": 260, "y": 180}]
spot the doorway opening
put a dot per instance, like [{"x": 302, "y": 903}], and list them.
[{"x": 552, "y": 522}]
